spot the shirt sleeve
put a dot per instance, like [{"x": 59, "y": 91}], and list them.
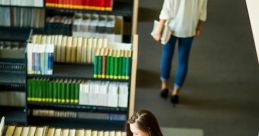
[
  {"x": 165, "y": 12},
  {"x": 203, "y": 10}
]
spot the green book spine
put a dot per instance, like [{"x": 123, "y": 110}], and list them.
[
  {"x": 54, "y": 91},
  {"x": 72, "y": 92},
  {"x": 124, "y": 67},
  {"x": 116, "y": 58},
  {"x": 58, "y": 92},
  {"x": 33, "y": 84},
  {"x": 43, "y": 90},
  {"x": 95, "y": 66},
  {"x": 39, "y": 90},
  {"x": 99, "y": 72},
  {"x": 120, "y": 66},
  {"x": 128, "y": 67},
  {"x": 50, "y": 91},
  {"x": 29, "y": 90},
  {"x": 77, "y": 89},
  {"x": 63, "y": 91},
  {"x": 67, "y": 92},
  {"x": 112, "y": 66}
]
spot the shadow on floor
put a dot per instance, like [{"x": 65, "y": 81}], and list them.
[{"x": 147, "y": 78}]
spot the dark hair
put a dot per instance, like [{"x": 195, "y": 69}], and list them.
[{"x": 146, "y": 122}]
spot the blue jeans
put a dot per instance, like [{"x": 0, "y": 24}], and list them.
[{"x": 184, "y": 48}]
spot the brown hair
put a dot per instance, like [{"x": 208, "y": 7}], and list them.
[{"x": 146, "y": 122}]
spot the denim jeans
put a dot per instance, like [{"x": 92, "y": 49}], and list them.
[{"x": 184, "y": 48}]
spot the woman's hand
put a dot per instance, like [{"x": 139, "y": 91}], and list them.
[
  {"x": 198, "y": 32},
  {"x": 157, "y": 36}
]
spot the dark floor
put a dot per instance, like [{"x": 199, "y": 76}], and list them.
[{"x": 221, "y": 92}]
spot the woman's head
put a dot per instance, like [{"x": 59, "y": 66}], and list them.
[{"x": 143, "y": 123}]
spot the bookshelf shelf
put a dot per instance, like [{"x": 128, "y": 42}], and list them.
[
  {"x": 120, "y": 8},
  {"x": 75, "y": 122},
  {"x": 76, "y": 107},
  {"x": 12, "y": 78},
  {"x": 12, "y": 112},
  {"x": 12, "y": 87},
  {"x": 75, "y": 71},
  {"x": 14, "y": 35}
]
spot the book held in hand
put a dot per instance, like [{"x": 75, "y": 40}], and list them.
[{"x": 166, "y": 33}]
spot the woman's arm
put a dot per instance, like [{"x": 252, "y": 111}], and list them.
[{"x": 158, "y": 33}]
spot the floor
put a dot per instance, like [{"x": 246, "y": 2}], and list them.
[{"x": 220, "y": 95}]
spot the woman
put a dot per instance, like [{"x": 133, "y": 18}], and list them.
[
  {"x": 185, "y": 19},
  {"x": 143, "y": 123}
]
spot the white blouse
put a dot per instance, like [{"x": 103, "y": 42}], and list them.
[{"x": 183, "y": 15}]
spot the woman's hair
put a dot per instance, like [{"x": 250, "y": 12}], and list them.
[{"x": 146, "y": 122}]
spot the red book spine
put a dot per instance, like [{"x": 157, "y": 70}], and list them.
[
  {"x": 102, "y": 4},
  {"x": 108, "y": 4}
]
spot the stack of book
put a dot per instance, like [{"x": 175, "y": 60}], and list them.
[
  {"x": 100, "y": 26},
  {"x": 40, "y": 59},
  {"x": 12, "y": 50},
  {"x": 31, "y": 3},
  {"x": 10, "y": 67},
  {"x": 46, "y": 131},
  {"x": 22, "y": 17},
  {"x": 77, "y": 49},
  {"x": 99, "y": 93},
  {"x": 102, "y": 5},
  {"x": 53, "y": 113},
  {"x": 112, "y": 64},
  {"x": 12, "y": 98},
  {"x": 53, "y": 91},
  {"x": 59, "y": 25}
]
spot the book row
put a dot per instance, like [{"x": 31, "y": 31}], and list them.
[
  {"x": 97, "y": 93},
  {"x": 53, "y": 113},
  {"x": 95, "y": 25},
  {"x": 46, "y": 131},
  {"x": 12, "y": 98},
  {"x": 77, "y": 49},
  {"x": 40, "y": 59},
  {"x": 59, "y": 25},
  {"x": 102, "y": 5},
  {"x": 11, "y": 67},
  {"x": 80, "y": 115},
  {"x": 22, "y": 17},
  {"x": 112, "y": 64},
  {"x": 32, "y": 3}
]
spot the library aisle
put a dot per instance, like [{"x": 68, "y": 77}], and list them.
[{"x": 221, "y": 92}]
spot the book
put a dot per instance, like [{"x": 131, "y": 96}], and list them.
[
  {"x": 32, "y": 131},
  {"x": 39, "y": 131},
  {"x": 25, "y": 131},
  {"x": 51, "y": 132},
  {"x": 57, "y": 132},
  {"x": 65, "y": 132},
  {"x": 72, "y": 132},
  {"x": 166, "y": 32},
  {"x": 2, "y": 124},
  {"x": 10, "y": 130}
]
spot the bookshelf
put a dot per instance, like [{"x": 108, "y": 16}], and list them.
[{"x": 128, "y": 9}]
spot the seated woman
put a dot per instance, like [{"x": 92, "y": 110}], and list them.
[{"x": 143, "y": 123}]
